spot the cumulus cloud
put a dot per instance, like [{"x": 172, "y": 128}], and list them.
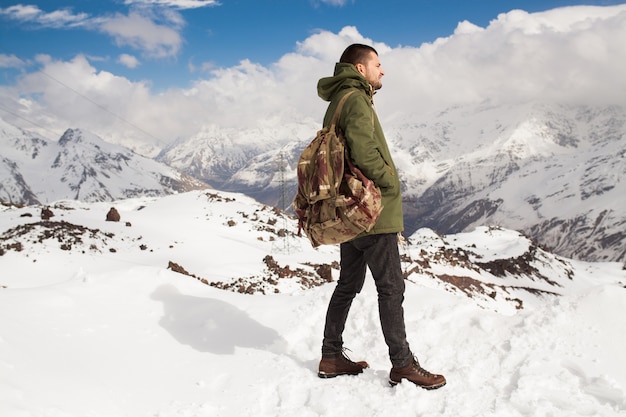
[
  {"x": 11, "y": 61},
  {"x": 128, "y": 61},
  {"x": 142, "y": 33},
  {"x": 571, "y": 55},
  {"x": 73, "y": 93},
  {"x": 329, "y": 46}
]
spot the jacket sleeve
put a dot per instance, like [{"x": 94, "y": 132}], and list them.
[{"x": 364, "y": 141}]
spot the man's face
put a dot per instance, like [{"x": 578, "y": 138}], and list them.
[{"x": 372, "y": 71}]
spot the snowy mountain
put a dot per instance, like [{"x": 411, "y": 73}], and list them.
[
  {"x": 256, "y": 161},
  {"x": 204, "y": 303},
  {"x": 557, "y": 173},
  {"x": 79, "y": 166}
]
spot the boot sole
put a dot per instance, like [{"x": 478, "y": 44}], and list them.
[
  {"x": 428, "y": 387},
  {"x": 324, "y": 375}
]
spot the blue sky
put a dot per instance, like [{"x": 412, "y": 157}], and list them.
[
  {"x": 147, "y": 72},
  {"x": 177, "y": 40}
]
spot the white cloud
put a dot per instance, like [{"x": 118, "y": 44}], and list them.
[
  {"x": 571, "y": 55},
  {"x": 62, "y": 18},
  {"x": 204, "y": 67},
  {"x": 339, "y": 3},
  {"x": 179, "y": 4},
  {"x": 22, "y": 12},
  {"x": 142, "y": 33},
  {"x": 155, "y": 31},
  {"x": 128, "y": 61},
  {"x": 10, "y": 61}
]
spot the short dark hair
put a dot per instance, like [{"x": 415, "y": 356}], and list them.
[{"x": 357, "y": 53}]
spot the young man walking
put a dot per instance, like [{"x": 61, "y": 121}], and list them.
[{"x": 359, "y": 69}]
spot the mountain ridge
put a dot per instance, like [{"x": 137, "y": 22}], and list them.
[
  {"x": 80, "y": 166},
  {"x": 558, "y": 172},
  {"x": 554, "y": 172},
  {"x": 544, "y": 169}
]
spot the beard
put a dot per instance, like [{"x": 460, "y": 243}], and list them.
[{"x": 376, "y": 84}]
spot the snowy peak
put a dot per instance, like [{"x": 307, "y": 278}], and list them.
[
  {"x": 232, "y": 158},
  {"x": 17, "y": 143},
  {"x": 71, "y": 135},
  {"x": 212, "y": 154},
  {"x": 80, "y": 166},
  {"x": 540, "y": 169}
]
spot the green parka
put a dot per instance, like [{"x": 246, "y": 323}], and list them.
[{"x": 365, "y": 140}]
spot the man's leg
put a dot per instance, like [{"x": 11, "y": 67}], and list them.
[
  {"x": 334, "y": 362},
  {"x": 383, "y": 259},
  {"x": 350, "y": 283}
]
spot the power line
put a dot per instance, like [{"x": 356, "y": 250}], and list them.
[
  {"x": 86, "y": 98},
  {"x": 100, "y": 106},
  {"x": 27, "y": 120}
]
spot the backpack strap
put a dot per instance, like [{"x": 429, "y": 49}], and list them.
[{"x": 335, "y": 120}]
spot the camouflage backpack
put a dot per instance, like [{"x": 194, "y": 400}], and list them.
[{"x": 335, "y": 201}]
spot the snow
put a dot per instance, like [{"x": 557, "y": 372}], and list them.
[{"x": 106, "y": 329}]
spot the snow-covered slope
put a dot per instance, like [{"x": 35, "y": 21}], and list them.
[
  {"x": 206, "y": 304},
  {"x": 79, "y": 166}
]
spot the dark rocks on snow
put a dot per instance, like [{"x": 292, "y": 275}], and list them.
[{"x": 113, "y": 215}]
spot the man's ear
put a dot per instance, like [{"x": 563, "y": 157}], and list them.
[{"x": 360, "y": 68}]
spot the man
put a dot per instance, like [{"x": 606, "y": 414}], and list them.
[{"x": 359, "y": 69}]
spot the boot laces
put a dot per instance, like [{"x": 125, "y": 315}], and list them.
[
  {"x": 344, "y": 356},
  {"x": 421, "y": 370}
]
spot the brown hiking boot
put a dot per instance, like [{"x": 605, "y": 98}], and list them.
[
  {"x": 339, "y": 364},
  {"x": 417, "y": 375}
]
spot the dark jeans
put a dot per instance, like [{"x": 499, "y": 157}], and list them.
[{"x": 380, "y": 254}]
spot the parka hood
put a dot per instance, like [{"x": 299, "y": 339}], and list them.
[{"x": 345, "y": 76}]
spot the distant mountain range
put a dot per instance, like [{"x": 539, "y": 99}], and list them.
[
  {"x": 80, "y": 166},
  {"x": 555, "y": 173}
]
